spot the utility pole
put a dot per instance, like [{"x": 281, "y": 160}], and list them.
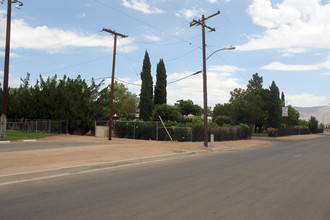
[
  {"x": 6, "y": 70},
  {"x": 113, "y": 75},
  {"x": 202, "y": 23}
]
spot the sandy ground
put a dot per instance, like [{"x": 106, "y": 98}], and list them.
[{"x": 101, "y": 150}]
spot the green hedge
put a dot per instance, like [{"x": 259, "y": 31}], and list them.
[
  {"x": 153, "y": 131},
  {"x": 135, "y": 130},
  {"x": 279, "y": 132}
]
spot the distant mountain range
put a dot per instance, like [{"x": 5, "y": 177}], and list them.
[{"x": 322, "y": 113}]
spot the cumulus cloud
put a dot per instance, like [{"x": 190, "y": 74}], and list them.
[
  {"x": 306, "y": 100},
  {"x": 142, "y": 5},
  {"x": 290, "y": 24},
  {"x": 225, "y": 68},
  {"x": 152, "y": 37},
  {"x": 190, "y": 13},
  {"x": 291, "y": 67},
  {"x": 82, "y": 15},
  {"x": 55, "y": 40},
  {"x": 14, "y": 82}
]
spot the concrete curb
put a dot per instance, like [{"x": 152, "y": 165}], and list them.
[{"x": 42, "y": 174}]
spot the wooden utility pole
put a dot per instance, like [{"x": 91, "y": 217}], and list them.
[
  {"x": 113, "y": 76},
  {"x": 6, "y": 74},
  {"x": 3, "y": 123},
  {"x": 202, "y": 23}
]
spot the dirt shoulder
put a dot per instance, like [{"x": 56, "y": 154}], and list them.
[{"x": 109, "y": 151}]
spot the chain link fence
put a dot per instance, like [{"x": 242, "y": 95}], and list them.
[
  {"x": 154, "y": 131},
  {"x": 38, "y": 125}
]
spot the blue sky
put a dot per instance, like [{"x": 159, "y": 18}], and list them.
[{"x": 283, "y": 40}]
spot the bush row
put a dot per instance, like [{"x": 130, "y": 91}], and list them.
[
  {"x": 278, "y": 132},
  {"x": 152, "y": 131}
]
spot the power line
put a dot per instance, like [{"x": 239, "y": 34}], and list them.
[
  {"x": 135, "y": 84},
  {"x": 78, "y": 64},
  {"x": 184, "y": 77},
  {"x": 143, "y": 22}
]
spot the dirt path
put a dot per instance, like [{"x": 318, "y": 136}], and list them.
[{"x": 115, "y": 150}]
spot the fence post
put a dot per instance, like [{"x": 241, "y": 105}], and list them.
[
  {"x": 156, "y": 131},
  {"x": 134, "y": 130}
]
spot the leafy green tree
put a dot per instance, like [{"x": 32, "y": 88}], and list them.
[
  {"x": 167, "y": 113},
  {"x": 313, "y": 124},
  {"x": 293, "y": 119},
  {"x": 255, "y": 108},
  {"x": 282, "y": 99},
  {"x": 256, "y": 102},
  {"x": 274, "y": 110},
  {"x": 187, "y": 107},
  {"x": 255, "y": 83},
  {"x": 238, "y": 106},
  {"x": 303, "y": 124},
  {"x": 161, "y": 84},
  {"x": 146, "y": 96},
  {"x": 124, "y": 102},
  {"x": 222, "y": 119},
  {"x": 220, "y": 109}
]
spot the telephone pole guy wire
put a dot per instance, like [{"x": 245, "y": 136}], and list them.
[{"x": 113, "y": 76}]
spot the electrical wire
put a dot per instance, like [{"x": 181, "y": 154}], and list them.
[
  {"x": 78, "y": 64},
  {"x": 135, "y": 84},
  {"x": 143, "y": 22}
]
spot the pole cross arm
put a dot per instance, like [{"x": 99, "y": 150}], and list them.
[
  {"x": 215, "y": 14},
  {"x": 114, "y": 32},
  {"x": 194, "y": 22}
]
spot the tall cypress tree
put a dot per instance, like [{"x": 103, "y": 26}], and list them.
[
  {"x": 161, "y": 83},
  {"x": 283, "y": 99},
  {"x": 146, "y": 95},
  {"x": 274, "y": 110}
]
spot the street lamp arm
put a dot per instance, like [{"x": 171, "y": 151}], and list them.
[{"x": 225, "y": 48}]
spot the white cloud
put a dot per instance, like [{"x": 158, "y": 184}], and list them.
[
  {"x": 190, "y": 13},
  {"x": 2, "y": 54},
  {"x": 291, "y": 51},
  {"x": 306, "y": 100},
  {"x": 82, "y": 15},
  {"x": 290, "y": 24},
  {"x": 56, "y": 40},
  {"x": 152, "y": 37},
  {"x": 289, "y": 67},
  {"x": 13, "y": 82},
  {"x": 225, "y": 68},
  {"x": 213, "y": 1},
  {"x": 142, "y": 5},
  {"x": 327, "y": 74},
  {"x": 219, "y": 87}
]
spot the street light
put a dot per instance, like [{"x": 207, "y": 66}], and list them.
[
  {"x": 6, "y": 70},
  {"x": 225, "y": 48},
  {"x": 205, "y": 92}
]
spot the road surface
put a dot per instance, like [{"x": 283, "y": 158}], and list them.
[{"x": 289, "y": 180}]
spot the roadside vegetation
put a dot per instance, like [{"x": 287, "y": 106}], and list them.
[
  {"x": 82, "y": 103},
  {"x": 18, "y": 135}
]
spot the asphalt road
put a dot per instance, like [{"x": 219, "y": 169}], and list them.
[{"x": 289, "y": 180}]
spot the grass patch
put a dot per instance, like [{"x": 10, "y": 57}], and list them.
[
  {"x": 16, "y": 135},
  {"x": 260, "y": 134}
]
